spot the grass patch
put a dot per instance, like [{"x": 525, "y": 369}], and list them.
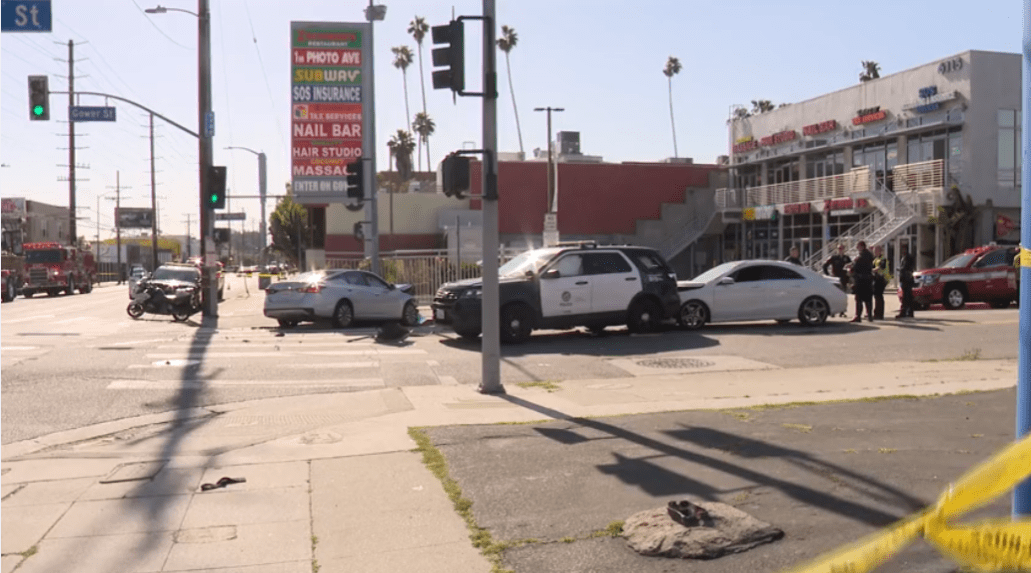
[
  {"x": 30, "y": 551},
  {"x": 976, "y": 435},
  {"x": 803, "y": 428},
  {"x": 567, "y": 539},
  {"x": 967, "y": 356},
  {"x": 613, "y": 529},
  {"x": 887, "y": 450},
  {"x": 850, "y": 451},
  {"x": 549, "y": 385},
  {"x": 743, "y": 416}
]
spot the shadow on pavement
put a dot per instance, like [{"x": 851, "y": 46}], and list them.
[{"x": 612, "y": 343}]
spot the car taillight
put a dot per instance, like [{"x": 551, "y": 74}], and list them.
[{"x": 313, "y": 289}]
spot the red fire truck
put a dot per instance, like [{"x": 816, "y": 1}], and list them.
[{"x": 52, "y": 268}]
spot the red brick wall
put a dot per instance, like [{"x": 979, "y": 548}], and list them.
[{"x": 336, "y": 244}]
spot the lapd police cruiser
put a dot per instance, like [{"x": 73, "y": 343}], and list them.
[{"x": 570, "y": 285}]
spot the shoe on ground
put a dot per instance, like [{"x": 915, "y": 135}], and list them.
[{"x": 857, "y": 319}]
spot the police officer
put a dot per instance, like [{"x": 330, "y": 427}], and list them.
[
  {"x": 838, "y": 264},
  {"x": 862, "y": 282},
  {"x": 880, "y": 281},
  {"x": 906, "y": 267}
]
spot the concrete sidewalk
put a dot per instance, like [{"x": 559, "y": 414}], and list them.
[{"x": 332, "y": 480}]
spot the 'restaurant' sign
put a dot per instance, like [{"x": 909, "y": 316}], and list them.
[
  {"x": 779, "y": 137},
  {"x": 330, "y": 114}
]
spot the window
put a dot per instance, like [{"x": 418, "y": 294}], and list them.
[
  {"x": 749, "y": 274},
  {"x": 1009, "y": 158},
  {"x": 356, "y": 279},
  {"x": 993, "y": 259},
  {"x": 778, "y": 273},
  {"x": 649, "y": 262},
  {"x": 569, "y": 266},
  {"x": 605, "y": 263},
  {"x": 375, "y": 281}
]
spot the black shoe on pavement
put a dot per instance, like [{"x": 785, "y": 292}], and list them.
[{"x": 857, "y": 319}]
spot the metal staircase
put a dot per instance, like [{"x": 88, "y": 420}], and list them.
[{"x": 689, "y": 233}]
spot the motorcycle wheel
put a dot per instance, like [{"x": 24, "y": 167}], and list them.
[
  {"x": 134, "y": 309},
  {"x": 180, "y": 314}
]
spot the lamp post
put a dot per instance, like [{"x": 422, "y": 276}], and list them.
[
  {"x": 262, "y": 181},
  {"x": 207, "y": 219},
  {"x": 551, "y": 218}
]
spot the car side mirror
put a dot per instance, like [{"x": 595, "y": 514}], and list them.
[
  {"x": 391, "y": 286},
  {"x": 726, "y": 281},
  {"x": 551, "y": 274}
]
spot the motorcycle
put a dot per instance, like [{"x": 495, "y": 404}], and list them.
[{"x": 181, "y": 301}]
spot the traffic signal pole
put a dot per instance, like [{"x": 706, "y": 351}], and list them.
[
  {"x": 207, "y": 215},
  {"x": 491, "y": 320},
  {"x": 1022, "y": 493}
]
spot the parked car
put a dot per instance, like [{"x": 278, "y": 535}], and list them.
[
  {"x": 580, "y": 284},
  {"x": 982, "y": 274},
  {"x": 342, "y": 296},
  {"x": 760, "y": 290},
  {"x": 136, "y": 273}
]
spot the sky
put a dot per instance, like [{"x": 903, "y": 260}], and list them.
[{"x": 600, "y": 60}]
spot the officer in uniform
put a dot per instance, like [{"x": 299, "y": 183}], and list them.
[
  {"x": 880, "y": 281},
  {"x": 906, "y": 267}
]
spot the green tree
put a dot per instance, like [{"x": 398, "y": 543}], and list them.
[
  {"x": 424, "y": 126},
  {"x": 672, "y": 68},
  {"x": 402, "y": 59},
  {"x": 418, "y": 29},
  {"x": 761, "y": 106},
  {"x": 288, "y": 225},
  {"x": 401, "y": 145},
  {"x": 506, "y": 42},
  {"x": 871, "y": 71}
]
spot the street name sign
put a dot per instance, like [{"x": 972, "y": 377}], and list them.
[
  {"x": 241, "y": 216},
  {"x": 91, "y": 113},
  {"x": 25, "y": 16}
]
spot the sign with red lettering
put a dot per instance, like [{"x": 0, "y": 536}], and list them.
[
  {"x": 874, "y": 114},
  {"x": 329, "y": 127},
  {"x": 796, "y": 208},
  {"x": 745, "y": 146},
  {"x": 846, "y": 203},
  {"x": 822, "y": 127},
  {"x": 779, "y": 137}
]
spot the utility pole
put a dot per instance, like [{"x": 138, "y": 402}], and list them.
[
  {"x": 369, "y": 150},
  {"x": 550, "y": 218},
  {"x": 189, "y": 249},
  {"x": 153, "y": 202},
  {"x": 1022, "y": 493},
  {"x": 207, "y": 216},
  {"x": 118, "y": 227},
  {"x": 71, "y": 144},
  {"x": 491, "y": 349}
]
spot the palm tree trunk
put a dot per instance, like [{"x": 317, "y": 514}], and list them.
[
  {"x": 671, "y": 122},
  {"x": 408, "y": 113},
  {"x": 418, "y": 154},
  {"x": 429, "y": 165},
  {"x": 422, "y": 83},
  {"x": 511, "y": 89}
]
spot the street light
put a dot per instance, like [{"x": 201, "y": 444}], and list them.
[
  {"x": 552, "y": 173},
  {"x": 262, "y": 181},
  {"x": 207, "y": 219}
]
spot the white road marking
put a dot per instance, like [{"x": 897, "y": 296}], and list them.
[
  {"x": 6, "y": 348},
  {"x": 30, "y": 319},
  {"x": 266, "y": 345},
  {"x": 328, "y": 365},
  {"x": 448, "y": 380},
  {"x": 76, "y": 319},
  {"x": 283, "y": 354},
  {"x": 138, "y": 342},
  {"x": 201, "y": 384}
]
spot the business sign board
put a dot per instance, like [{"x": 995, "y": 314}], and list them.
[
  {"x": 13, "y": 207},
  {"x": 134, "y": 217},
  {"x": 331, "y": 113}
]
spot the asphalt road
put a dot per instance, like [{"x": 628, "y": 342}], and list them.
[{"x": 71, "y": 361}]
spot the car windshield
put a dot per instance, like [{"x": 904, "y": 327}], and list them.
[
  {"x": 184, "y": 274},
  {"x": 959, "y": 261},
  {"x": 47, "y": 256},
  {"x": 713, "y": 273},
  {"x": 528, "y": 261}
]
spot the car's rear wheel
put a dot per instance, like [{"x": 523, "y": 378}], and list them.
[
  {"x": 954, "y": 298},
  {"x": 285, "y": 323},
  {"x": 516, "y": 323},
  {"x": 87, "y": 287},
  {"x": 410, "y": 314},
  {"x": 343, "y": 314},
  {"x": 70, "y": 289},
  {"x": 10, "y": 291},
  {"x": 643, "y": 316},
  {"x": 693, "y": 315},
  {"x": 813, "y": 311}
]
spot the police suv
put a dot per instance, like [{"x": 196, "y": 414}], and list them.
[{"x": 570, "y": 285}]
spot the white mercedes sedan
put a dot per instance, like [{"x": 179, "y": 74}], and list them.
[
  {"x": 759, "y": 290},
  {"x": 342, "y": 296}
]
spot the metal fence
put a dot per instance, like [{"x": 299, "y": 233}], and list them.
[{"x": 425, "y": 270}]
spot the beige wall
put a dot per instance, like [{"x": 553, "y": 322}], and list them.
[{"x": 414, "y": 214}]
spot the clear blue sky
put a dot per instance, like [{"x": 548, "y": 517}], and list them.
[{"x": 601, "y": 60}]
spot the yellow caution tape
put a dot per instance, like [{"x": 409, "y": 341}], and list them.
[
  {"x": 869, "y": 552},
  {"x": 983, "y": 544},
  {"x": 994, "y": 545},
  {"x": 1025, "y": 257}
]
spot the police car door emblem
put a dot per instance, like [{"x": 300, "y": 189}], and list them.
[{"x": 566, "y": 296}]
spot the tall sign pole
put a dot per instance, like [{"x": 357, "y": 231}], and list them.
[
  {"x": 207, "y": 219},
  {"x": 73, "y": 238},
  {"x": 1022, "y": 493},
  {"x": 491, "y": 350},
  {"x": 263, "y": 191},
  {"x": 369, "y": 152}
]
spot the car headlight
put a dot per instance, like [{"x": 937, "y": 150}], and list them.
[
  {"x": 931, "y": 279},
  {"x": 473, "y": 293}
]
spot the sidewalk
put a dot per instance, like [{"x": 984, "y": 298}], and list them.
[{"x": 333, "y": 478}]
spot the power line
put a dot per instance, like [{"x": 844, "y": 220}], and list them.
[
  {"x": 147, "y": 18},
  {"x": 268, "y": 88}
]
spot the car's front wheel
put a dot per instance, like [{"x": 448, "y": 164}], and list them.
[
  {"x": 814, "y": 311},
  {"x": 643, "y": 316},
  {"x": 693, "y": 315},
  {"x": 410, "y": 314},
  {"x": 516, "y": 323},
  {"x": 10, "y": 291},
  {"x": 343, "y": 314},
  {"x": 954, "y": 297}
]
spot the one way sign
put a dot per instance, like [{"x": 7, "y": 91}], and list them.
[{"x": 25, "y": 16}]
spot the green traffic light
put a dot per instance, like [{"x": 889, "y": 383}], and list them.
[
  {"x": 214, "y": 197},
  {"x": 37, "y": 110}
]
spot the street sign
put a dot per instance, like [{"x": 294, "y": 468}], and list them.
[
  {"x": 550, "y": 222},
  {"x": 91, "y": 113},
  {"x": 209, "y": 124},
  {"x": 25, "y": 16},
  {"x": 241, "y": 216}
]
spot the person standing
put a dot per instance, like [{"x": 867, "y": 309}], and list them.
[
  {"x": 793, "y": 257},
  {"x": 838, "y": 264},
  {"x": 862, "y": 282},
  {"x": 906, "y": 267},
  {"x": 880, "y": 281}
]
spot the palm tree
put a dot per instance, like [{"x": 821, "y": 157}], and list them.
[
  {"x": 506, "y": 42},
  {"x": 672, "y": 68},
  {"x": 402, "y": 59},
  {"x": 761, "y": 106},
  {"x": 401, "y": 146},
  {"x": 871, "y": 71},
  {"x": 424, "y": 126},
  {"x": 418, "y": 29}
]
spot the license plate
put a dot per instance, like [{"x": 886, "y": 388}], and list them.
[{"x": 439, "y": 314}]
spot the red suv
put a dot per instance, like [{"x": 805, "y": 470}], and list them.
[{"x": 984, "y": 274}]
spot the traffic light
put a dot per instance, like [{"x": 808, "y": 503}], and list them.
[
  {"x": 355, "y": 176},
  {"x": 454, "y": 175},
  {"x": 221, "y": 235},
  {"x": 216, "y": 192},
  {"x": 359, "y": 232},
  {"x": 451, "y": 56},
  {"x": 39, "y": 98}
]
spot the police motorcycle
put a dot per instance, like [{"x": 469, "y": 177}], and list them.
[{"x": 179, "y": 298}]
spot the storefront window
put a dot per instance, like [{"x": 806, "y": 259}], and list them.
[{"x": 1008, "y": 148}]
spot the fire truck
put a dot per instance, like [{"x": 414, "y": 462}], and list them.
[{"x": 54, "y": 268}]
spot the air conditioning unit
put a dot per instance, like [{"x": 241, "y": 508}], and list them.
[{"x": 569, "y": 142}]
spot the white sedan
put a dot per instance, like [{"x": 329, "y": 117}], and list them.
[
  {"x": 343, "y": 296},
  {"x": 759, "y": 290}
]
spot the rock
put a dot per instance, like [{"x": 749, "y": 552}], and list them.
[{"x": 727, "y": 530}]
